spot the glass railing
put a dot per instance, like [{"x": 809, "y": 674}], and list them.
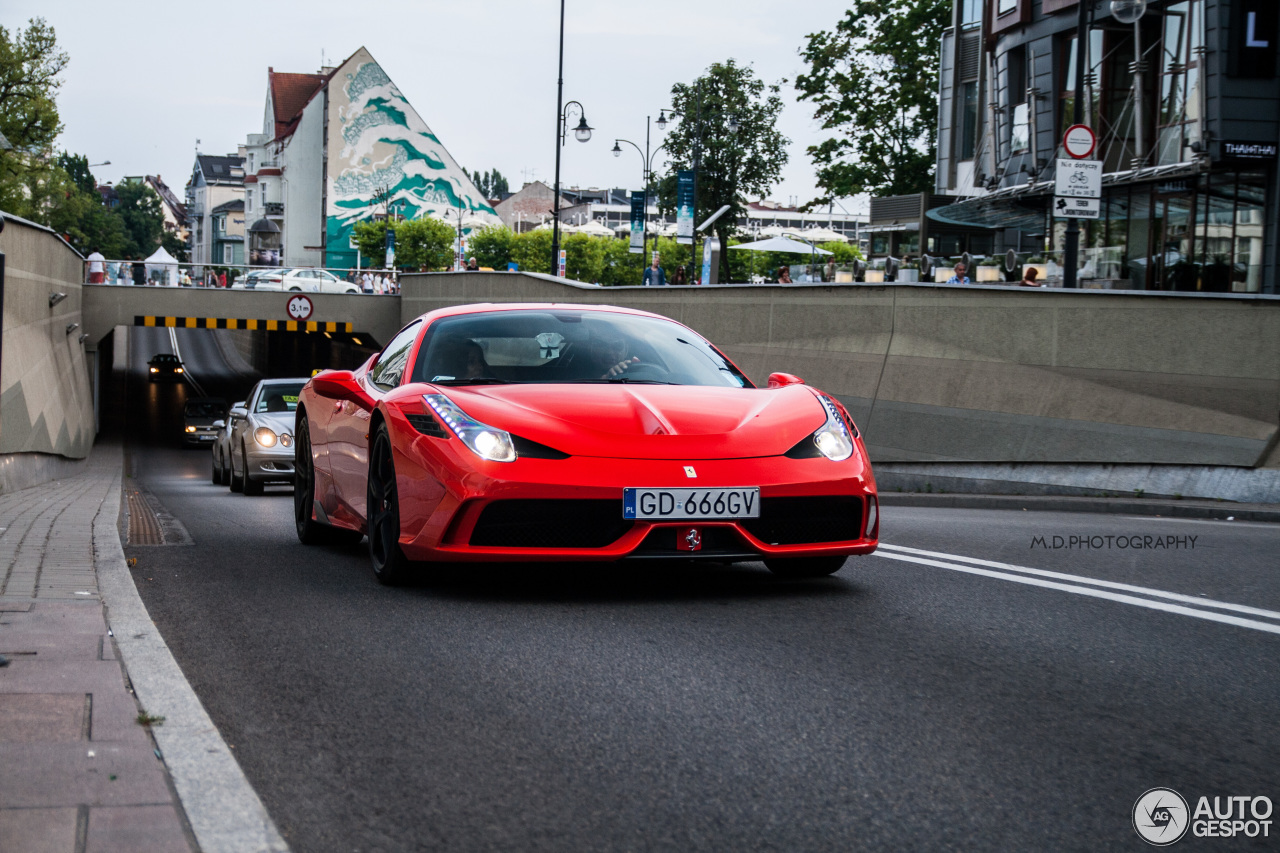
[{"x": 247, "y": 277}]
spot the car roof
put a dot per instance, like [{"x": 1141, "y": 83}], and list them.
[{"x": 488, "y": 307}]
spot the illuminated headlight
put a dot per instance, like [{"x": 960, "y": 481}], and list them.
[
  {"x": 485, "y": 441},
  {"x": 833, "y": 439},
  {"x": 155, "y": 370},
  {"x": 265, "y": 437},
  {"x": 191, "y": 429},
  {"x": 179, "y": 370},
  {"x": 286, "y": 439}
]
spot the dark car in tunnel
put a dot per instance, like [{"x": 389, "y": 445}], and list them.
[
  {"x": 198, "y": 418},
  {"x": 165, "y": 367}
]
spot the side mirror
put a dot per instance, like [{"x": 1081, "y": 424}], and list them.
[
  {"x": 340, "y": 385},
  {"x": 218, "y": 424},
  {"x": 781, "y": 380}
]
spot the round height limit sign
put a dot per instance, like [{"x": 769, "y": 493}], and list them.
[{"x": 299, "y": 307}]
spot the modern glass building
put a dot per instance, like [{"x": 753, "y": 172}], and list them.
[{"x": 1183, "y": 97}]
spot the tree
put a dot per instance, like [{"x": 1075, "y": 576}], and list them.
[
  {"x": 30, "y": 63},
  {"x": 142, "y": 214},
  {"x": 371, "y": 241},
  {"x": 424, "y": 244},
  {"x": 491, "y": 184},
  {"x": 77, "y": 168},
  {"x": 732, "y": 165},
  {"x": 874, "y": 81},
  {"x": 492, "y": 246}
]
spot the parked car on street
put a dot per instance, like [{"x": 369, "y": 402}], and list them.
[
  {"x": 303, "y": 279},
  {"x": 261, "y": 444},
  {"x": 198, "y": 418}
]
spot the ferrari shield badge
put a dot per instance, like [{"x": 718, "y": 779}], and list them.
[{"x": 689, "y": 472}]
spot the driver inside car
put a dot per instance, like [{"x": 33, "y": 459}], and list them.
[{"x": 608, "y": 353}]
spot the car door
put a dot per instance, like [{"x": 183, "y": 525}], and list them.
[
  {"x": 348, "y": 433},
  {"x": 241, "y": 426}
]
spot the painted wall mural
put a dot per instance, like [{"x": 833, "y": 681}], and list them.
[{"x": 377, "y": 142}]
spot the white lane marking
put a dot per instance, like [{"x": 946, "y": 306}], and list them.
[
  {"x": 1142, "y": 590},
  {"x": 186, "y": 373},
  {"x": 1093, "y": 593},
  {"x": 1219, "y": 521}
]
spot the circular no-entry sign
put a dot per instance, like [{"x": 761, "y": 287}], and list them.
[
  {"x": 299, "y": 307},
  {"x": 1079, "y": 141}
]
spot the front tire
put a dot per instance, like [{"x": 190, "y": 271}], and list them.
[
  {"x": 236, "y": 483},
  {"x": 252, "y": 487},
  {"x": 382, "y": 508},
  {"x": 805, "y": 567}
]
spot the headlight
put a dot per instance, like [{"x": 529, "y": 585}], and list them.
[
  {"x": 265, "y": 437},
  {"x": 485, "y": 441},
  {"x": 179, "y": 370},
  {"x": 191, "y": 429},
  {"x": 286, "y": 439},
  {"x": 155, "y": 370},
  {"x": 833, "y": 439}
]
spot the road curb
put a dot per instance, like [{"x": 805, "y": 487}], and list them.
[
  {"x": 222, "y": 808},
  {"x": 1117, "y": 506}
]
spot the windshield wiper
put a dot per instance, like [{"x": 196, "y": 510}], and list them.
[{"x": 627, "y": 379}]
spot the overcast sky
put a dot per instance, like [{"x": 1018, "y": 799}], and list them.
[{"x": 146, "y": 80}]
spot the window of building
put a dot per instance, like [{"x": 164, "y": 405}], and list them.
[
  {"x": 1180, "y": 95},
  {"x": 227, "y": 254},
  {"x": 1003, "y": 7},
  {"x": 1092, "y": 76},
  {"x": 970, "y": 13},
  {"x": 1015, "y": 93},
  {"x": 968, "y": 119}
]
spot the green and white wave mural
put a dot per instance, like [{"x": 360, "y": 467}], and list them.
[{"x": 378, "y": 143}]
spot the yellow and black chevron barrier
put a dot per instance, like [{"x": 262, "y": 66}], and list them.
[{"x": 247, "y": 325}]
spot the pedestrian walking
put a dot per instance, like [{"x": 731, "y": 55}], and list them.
[
  {"x": 472, "y": 265},
  {"x": 680, "y": 276},
  {"x": 139, "y": 272},
  {"x": 366, "y": 282},
  {"x": 1029, "y": 278},
  {"x": 784, "y": 274},
  {"x": 122, "y": 274},
  {"x": 222, "y": 279},
  {"x": 958, "y": 275},
  {"x": 97, "y": 267},
  {"x": 654, "y": 275}
]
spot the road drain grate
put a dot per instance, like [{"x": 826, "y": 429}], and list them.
[{"x": 144, "y": 527}]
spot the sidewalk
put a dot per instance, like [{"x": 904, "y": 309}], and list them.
[{"x": 80, "y": 772}]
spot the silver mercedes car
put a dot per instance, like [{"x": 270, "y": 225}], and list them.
[{"x": 261, "y": 443}]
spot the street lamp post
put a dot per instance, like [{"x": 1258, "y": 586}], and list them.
[
  {"x": 697, "y": 158},
  {"x": 582, "y": 133},
  {"x": 646, "y": 176}
]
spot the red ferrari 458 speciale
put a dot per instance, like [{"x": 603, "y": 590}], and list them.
[{"x": 573, "y": 432}]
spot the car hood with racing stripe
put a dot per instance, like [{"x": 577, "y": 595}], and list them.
[{"x": 638, "y": 421}]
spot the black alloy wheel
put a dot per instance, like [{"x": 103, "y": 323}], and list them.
[
  {"x": 310, "y": 531},
  {"x": 390, "y": 566},
  {"x": 805, "y": 567}
]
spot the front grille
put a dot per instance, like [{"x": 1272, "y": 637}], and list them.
[
  {"x": 550, "y": 524},
  {"x": 807, "y": 520}
]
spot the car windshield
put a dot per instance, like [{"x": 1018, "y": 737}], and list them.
[
  {"x": 279, "y": 398},
  {"x": 569, "y": 346},
  {"x": 204, "y": 409},
  {"x": 165, "y": 359}
]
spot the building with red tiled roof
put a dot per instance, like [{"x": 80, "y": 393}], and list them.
[{"x": 338, "y": 147}]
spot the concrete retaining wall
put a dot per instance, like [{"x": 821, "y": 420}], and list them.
[
  {"x": 954, "y": 374},
  {"x": 46, "y": 403}
]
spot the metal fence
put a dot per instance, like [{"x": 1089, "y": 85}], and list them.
[{"x": 245, "y": 277}]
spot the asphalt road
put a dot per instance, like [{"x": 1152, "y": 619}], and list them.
[{"x": 905, "y": 703}]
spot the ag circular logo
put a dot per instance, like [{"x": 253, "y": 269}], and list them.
[
  {"x": 299, "y": 307},
  {"x": 1160, "y": 817}
]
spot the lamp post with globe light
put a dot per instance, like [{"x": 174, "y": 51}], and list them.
[
  {"x": 582, "y": 133},
  {"x": 646, "y": 178}
]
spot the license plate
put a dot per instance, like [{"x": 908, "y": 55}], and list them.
[
  {"x": 206, "y": 438},
  {"x": 661, "y": 504}
]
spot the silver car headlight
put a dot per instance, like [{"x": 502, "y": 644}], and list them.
[
  {"x": 485, "y": 441},
  {"x": 286, "y": 440},
  {"x": 265, "y": 437},
  {"x": 833, "y": 439}
]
